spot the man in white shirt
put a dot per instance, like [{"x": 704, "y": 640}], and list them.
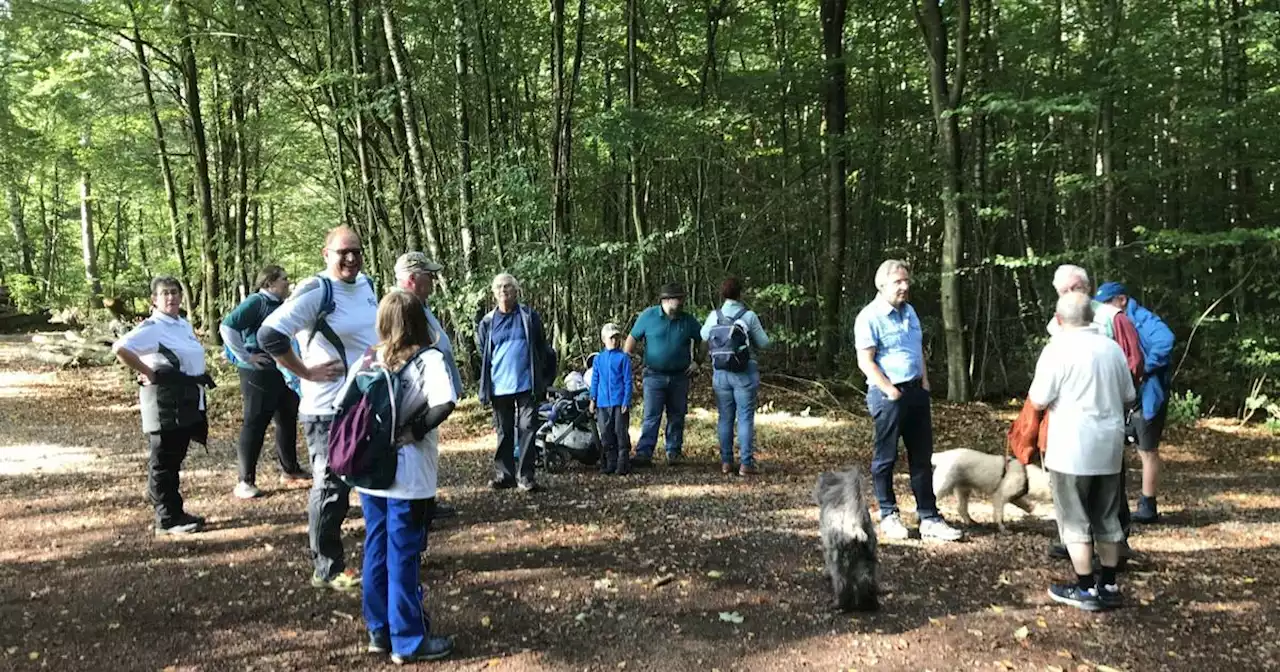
[
  {"x": 332, "y": 315},
  {"x": 1083, "y": 379}
]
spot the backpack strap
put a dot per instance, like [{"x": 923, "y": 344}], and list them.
[
  {"x": 327, "y": 306},
  {"x": 719, "y": 317},
  {"x": 740, "y": 313}
]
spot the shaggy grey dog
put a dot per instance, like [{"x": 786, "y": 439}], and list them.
[
  {"x": 969, "y": 472},
  {"x": 848, "y": 539}
]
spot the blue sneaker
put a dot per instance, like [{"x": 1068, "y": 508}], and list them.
[
  {"x": 435, "y": 648},
  {"x": 1070, "y": 593},
  {"x": 379, "y": 642}
]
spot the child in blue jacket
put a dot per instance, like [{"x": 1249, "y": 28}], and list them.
[{"x": 610, "y": 401}]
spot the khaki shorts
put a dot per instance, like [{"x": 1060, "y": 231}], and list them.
[{"x": 1087, "y": 507}]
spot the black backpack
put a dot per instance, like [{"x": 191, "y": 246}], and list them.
[{"x": 729, "y": 344}]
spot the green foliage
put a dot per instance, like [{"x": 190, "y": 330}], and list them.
[
  {"x": 1184, "y": 408},
  {"x": 26, "y": 292}
]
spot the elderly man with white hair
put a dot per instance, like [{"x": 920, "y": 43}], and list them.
[
  {"x": 1083, "y": 379},
  {"x": 517, "y": 365}
]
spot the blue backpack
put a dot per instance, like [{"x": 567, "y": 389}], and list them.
[
  {"x": 729, "y": 344},
  {"x": 362, "y": 438}
]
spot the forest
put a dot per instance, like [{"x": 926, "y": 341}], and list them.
[{"x": 599, "y": 149}]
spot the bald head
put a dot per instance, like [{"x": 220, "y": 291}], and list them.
[
  {"x": 343, "y": 253},
  {"x": 1075, "y": 309}
]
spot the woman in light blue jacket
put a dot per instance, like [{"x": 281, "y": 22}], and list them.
[{"x": 736, "y": 390}]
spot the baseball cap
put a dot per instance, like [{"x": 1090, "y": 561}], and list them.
[
  {"x": 1110, "y": 290},
  {"x": 609, "y": 330},
  {"x": 416, "y": 262}
]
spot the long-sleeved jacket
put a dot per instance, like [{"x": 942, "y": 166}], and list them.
[
  {"x": 542, "y": 358},
  {"x": 1157, "y": 352}
]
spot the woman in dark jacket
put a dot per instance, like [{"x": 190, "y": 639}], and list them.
[
  {"x": 169, "y": 361},
  {"x": 262, "y": 385},
  {"x": 517, "y": 365}
]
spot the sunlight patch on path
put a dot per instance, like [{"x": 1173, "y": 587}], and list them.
[
  {"x": 22, "y": 383},
  {"x": 31, "y": 458}
]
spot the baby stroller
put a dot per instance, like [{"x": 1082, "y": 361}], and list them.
[{"x": 566, "y": 431}]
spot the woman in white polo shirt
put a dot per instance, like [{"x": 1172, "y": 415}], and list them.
[{"x": 169, "y": 361}]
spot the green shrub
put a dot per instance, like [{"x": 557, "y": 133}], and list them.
[{"x": 1184, "y": 408}]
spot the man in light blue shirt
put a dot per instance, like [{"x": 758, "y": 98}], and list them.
[
  {"x": 890, "y": 346},
  {"x": 416, "y": 274}
]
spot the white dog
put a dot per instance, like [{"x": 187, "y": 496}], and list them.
[{"x": 966, "y": 472}]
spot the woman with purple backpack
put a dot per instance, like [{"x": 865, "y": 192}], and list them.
[{"x": 396, "y": 518}]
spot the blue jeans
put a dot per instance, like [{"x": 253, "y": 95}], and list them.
[
  {"x": 908, "y": 418},
  {"x": 736, "y": 400},
  {"x": 395, "y": 537},
  {"x": 669, "y": 392}
]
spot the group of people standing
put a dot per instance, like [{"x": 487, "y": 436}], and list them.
[{"x": 296, "y": 351}]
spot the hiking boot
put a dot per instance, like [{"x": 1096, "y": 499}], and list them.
[
  {"x": 609, "y": 465},
  {"x": 528, "y": 485},
  {"x": 344, "y": 583},
  {"x": 1070, "y": 593},
  {"x": 435, "y": 648},
  {"x": 442, "y": 511},
  {"x": 1109, "y": 596},
  {"x": 624, "y": 466},
  {"x": 379, "y": 642},
  {"x": 1147, "y": 514},
  {"x": 674, "y": 459},
  {"x": 748, "y": 470},
  {"x": 246, "y": 490},
  {"x": 937, "y": 528},
  {"x": 891, "y": 527},
  {"x": 726, "y": 468},
  {"x": 180, "y": 526},
  {"x": 502, "y": 483},
  {"x": 642, "y": 461}
]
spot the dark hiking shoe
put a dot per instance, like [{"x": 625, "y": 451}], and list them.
[
  {"x": 529, "y": 485},
  {"x": 180, "y": 526},
  {"x": 435, "y": 648},
  {"x": 379, "y": 642},
  {"x": 1071, "y": 594},
  {"x": 642, "y": 461},
  {"x": 442, "y": 511},
  {"x": 675, "y": 459},
  {"x": 1109, "y": 596},
  {"x": 1147, "y": 513},
  {"x": 502, "y": 483}
]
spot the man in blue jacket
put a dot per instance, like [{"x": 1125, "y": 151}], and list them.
[
  {"x": 1156, "y": 339},
  {"x": 517, "y": 365}
]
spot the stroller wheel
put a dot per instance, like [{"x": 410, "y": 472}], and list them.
[{"x": 555, "y": 461}]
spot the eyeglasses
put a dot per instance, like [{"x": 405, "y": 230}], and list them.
[{"x": 353, "y": 251}]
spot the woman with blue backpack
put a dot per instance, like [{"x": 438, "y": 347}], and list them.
[
  {"x": 263, "y": 386},
  {"x": 733, "y": 333},
  {"x": 384, "y": 443}
]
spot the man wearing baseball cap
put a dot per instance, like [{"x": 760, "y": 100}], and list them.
[
  {"x": 1156, "y": 339},
  {"x": 416, "y": 274},
  {"x": 670, "y": 336}
]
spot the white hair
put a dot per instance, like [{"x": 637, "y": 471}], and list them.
[
  {"x": 1075, "y": 309},
  {"x": 505, "y": 279},
  {"x": 1069, "y": 275},
  {"x": 887, "y": 267}
]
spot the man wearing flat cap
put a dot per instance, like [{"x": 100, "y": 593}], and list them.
[
  {"x": 416, "y": 273},
  {"x": 1156, "y": 339},
  {"x": 670, "y": 337}
]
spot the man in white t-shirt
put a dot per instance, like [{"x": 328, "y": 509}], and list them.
[
  {"x": 332, "y": 316},
  {"x": 1083, "y": 379}
]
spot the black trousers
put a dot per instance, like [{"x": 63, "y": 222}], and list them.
[
  {"x": 266, "y": 396},
  {"x": 513, "y": 418},
  {"x": 168, "y": 450},
  {"x": 613, "y": 424}
]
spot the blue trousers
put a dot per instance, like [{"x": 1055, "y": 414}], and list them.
[
  {"x": 395, "y": 537},
  {"x": 669, "y": 392},
  {"x": 908, "y": 417},
  {"x": 736, "y": 394}
]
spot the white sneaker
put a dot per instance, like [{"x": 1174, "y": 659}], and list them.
[
  {"x": 891, "y": 527},
  {"x": 937, "y": 528},
  {"x": 246, "y": 491}
]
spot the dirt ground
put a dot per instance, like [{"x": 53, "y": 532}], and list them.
[{"x": 568, "y": 579}]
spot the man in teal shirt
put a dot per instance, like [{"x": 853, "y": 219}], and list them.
[{"x": 670, "y": 336}]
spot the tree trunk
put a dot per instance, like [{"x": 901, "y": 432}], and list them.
[
  {"x": 191, "y": 89},
  {"x": 635, "y": 197},
  {"x": 946, "y": 97},
  {"x": 419, "y": 168},
  {"x": 25, "y": 252},
  {"x": 462, "y": 70},
  {"x": 833, "y": 18},
  {"x": 88, "y": 247}
]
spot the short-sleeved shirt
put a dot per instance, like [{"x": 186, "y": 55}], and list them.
[
  {"x": 425, "y": 383},
  {"x": 160, "y": 339},
  {"x": 1084, "y": 381},
  {"x": 896, "y": 335},
  {"x": 511, "y": 368},
  {"x": 355, "y": 312},
  {"x": 667, "y": 340}
]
